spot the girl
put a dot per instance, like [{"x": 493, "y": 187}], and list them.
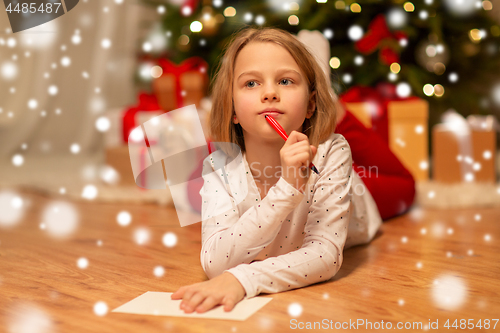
[{"x": 292, "y": 227}]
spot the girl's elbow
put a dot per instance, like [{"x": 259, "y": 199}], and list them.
[{"x": 211, "y": 269}]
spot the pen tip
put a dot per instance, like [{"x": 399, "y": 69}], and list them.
[{"x": 265, "y": 116}]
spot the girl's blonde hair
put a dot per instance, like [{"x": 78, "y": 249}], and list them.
[{"x": 321, "y": 124}]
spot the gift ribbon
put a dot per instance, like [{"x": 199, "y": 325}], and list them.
[
  {"x": 379, "y": 34},
  {"x": 188, "y": 65},
  {"x": 147, "y": 102}
]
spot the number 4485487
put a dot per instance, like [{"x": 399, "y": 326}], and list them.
[
  {"x": 469, "y": 324},
  {"x": 31, "y": 8}
]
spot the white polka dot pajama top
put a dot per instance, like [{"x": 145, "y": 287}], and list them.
[{"x": 289, "y": 239}]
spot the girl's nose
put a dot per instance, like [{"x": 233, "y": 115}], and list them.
[{"x": 270, "y": 94}]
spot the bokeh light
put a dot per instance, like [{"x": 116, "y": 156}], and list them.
[
  {"x": 395, "y": 67},
  {"x": 156, "y": 71},
  {"x": 9, "y": 70},
  {"x": 60, "y": 219},
  {"x": 11, "y": 208},
  {"x": 17, "y": 160},
  {"x": 429, "y": 89},
  {"x": 293, "y": 20},
  {"x": 229, "y": 11},
  {"x": 355, "y": 7},
  {"x": 449, "y": 292},
  {"x": 169, "y": 239},
  {"x": 397, "y": 18},
  {"x": 295, "y": 309},
  {"x": 159, "y": 271},
  {"x": 355, "y": 32},
  {"x": 103, "y": 124},
  {"x": 75, "y": 148},
  {"x": 105, "y": 43},
  {"x": 142, "y": 235},
  {"x": 196, "y": 26},
  {"x": 328, "y": 33},
  {"x": 403, "y": 90},
  {"x": 100, "y": 308},
  {"x": 409, "y": 7},
  {"x": 28, "y": 318},
  {"x": 124, "y": 218},
  {"x": 89, "y": 192},
  {"x": 109, "y": 175},
  {"x": 334, "y": 62},
  {"x": 82, "y": 263}
]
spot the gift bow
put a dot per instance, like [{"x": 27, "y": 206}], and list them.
[
  {"x": 147, "y": 102},
  {"x": 378, "y": 33},
  {"x": 483, "y": 123},
  {"x": 188, "y": 65},
  {"x": 456, "y": 123}
]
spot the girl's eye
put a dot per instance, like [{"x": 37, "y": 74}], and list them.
[
  {"x": 251, "y": 86},
  {"x": 246, "y": 84}
]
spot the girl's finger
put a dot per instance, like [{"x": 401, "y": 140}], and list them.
[
  {"x": 228, "y": 305},
  {"x": 301, "y": 158},
  {"x": 293, "y": 138},
  {"x": 295, "y": 150},
  {"x": 188, "y": 293},
  {"x": 302, "y": 145},
  {"x": 207, "y": 304},
  {"x": 179, "y": 293},
  {"x": 298, "y": 135},
  {"x": 193, "y": 303}
]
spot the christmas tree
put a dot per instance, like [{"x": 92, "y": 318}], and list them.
[{"x": 443, "y": 51}]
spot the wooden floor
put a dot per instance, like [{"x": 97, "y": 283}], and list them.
[{"x": 427, "y": 265}]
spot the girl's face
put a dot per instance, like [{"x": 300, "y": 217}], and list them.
[{"x": 267, "y": 76}]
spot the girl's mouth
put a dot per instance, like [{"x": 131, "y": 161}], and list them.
[{"x": 270, "y": 113}]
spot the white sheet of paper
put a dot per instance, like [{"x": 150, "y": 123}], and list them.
[{"x": 159, "y": 304}]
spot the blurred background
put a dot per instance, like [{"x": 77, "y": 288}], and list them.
[{"x": 423, "y": 74}]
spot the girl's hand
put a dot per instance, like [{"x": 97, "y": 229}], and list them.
[
  {"x": 296, "y": 155},
  {"x": 224, "y": 289}
]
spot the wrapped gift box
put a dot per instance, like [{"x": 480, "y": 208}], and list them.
[
  {"x": 118, "y": 158},
  {"x": 464, "y": 151},
  {"x": 401, "y": 122},
  {"x": 117, "y": 152},
  {"x": 132, "y": 116},
  {"x": 407, "y": 123},
  {"x": 181, "y": 85}
]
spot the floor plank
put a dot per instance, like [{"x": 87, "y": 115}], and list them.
[{"x": 425, "y": 265}]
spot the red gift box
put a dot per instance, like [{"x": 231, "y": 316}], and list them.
[
  {"x": 182, "y": 84},
  {"x": 147, "y": 102}
]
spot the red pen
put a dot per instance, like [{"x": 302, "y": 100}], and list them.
[{"x": 277, "y": 127}]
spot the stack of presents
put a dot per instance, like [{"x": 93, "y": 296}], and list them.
[
  {"x": 178, "y": 86},
  {"x": 463, "y": 150}
]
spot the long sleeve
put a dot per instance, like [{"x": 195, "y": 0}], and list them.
[
  {"x": 320, "y": 255},
  {"x": 228, "y": 239}
]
